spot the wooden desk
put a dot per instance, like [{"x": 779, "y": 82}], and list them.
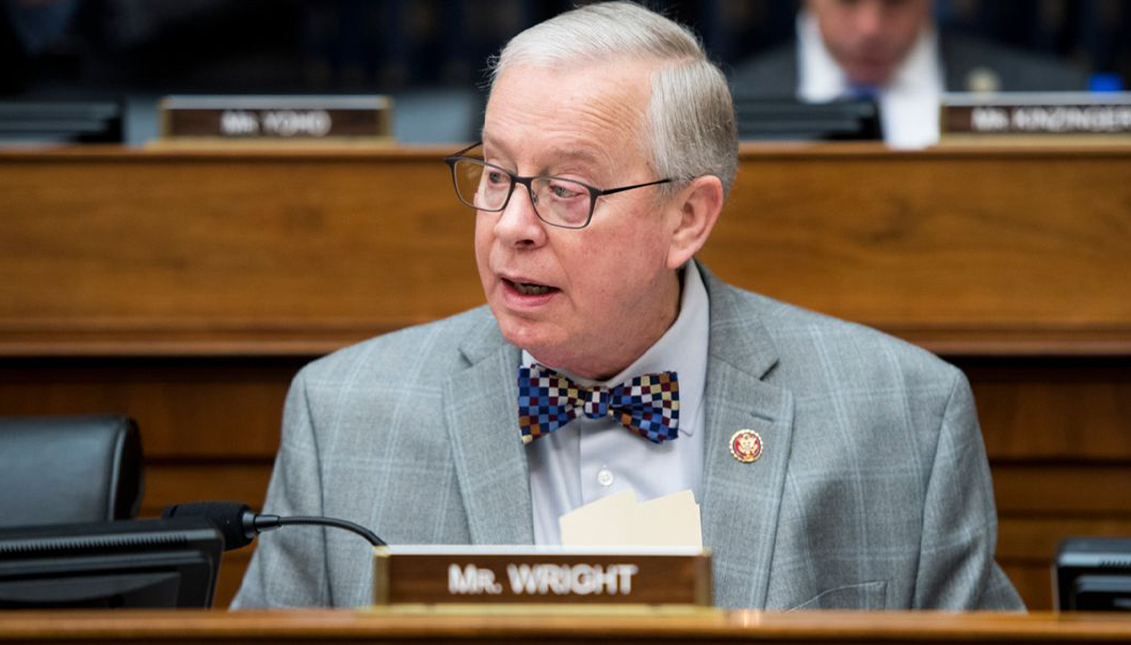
[
  {"x": 186, "y": 288},
  {"x": 751, "y": 627}
]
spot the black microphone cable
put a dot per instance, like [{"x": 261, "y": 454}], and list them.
[
  {"x": 263, "y": 522},
  {"x": 240, "y": 525}
]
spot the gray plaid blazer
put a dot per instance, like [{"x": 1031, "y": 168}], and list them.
[{"x": 873, "y": 490}]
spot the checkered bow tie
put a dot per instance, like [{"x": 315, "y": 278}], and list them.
[{"x": 647, "y": 405}]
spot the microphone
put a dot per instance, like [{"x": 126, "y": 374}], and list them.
[{"x": 239, "y": 524}]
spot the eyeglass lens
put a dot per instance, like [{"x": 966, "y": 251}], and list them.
[{"x": 557, "y": 201}]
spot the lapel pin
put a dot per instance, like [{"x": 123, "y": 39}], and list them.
[{"x": 746, "y": 446}]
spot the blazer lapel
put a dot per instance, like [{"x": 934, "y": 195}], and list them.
[
  {"x": 482, "y": 422},
  {"x": 741, "y": 501}
]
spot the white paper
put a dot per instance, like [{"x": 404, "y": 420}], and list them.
[{"x": 619, "y": 520}]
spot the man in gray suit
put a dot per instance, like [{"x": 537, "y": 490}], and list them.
[
  {"x": 835, "y": 467},
  {"x": 892, "y": 51}
]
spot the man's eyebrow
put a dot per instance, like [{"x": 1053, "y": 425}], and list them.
[
  {"x": 557, "y": 157},
  {"x": 489, "y": 141},
  {"x": 580, "y": 154}
]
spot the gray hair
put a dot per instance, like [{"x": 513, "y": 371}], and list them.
[{"x": 691, "y": 124}]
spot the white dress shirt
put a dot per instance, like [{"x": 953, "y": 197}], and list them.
[
  {"x": 588, "y": 459},
  {"x": 909, "y": 103}
]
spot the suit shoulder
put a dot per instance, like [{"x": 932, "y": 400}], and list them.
[
  {"x": 806, "y": 338},
  {"x": 435, "y": 345},
  {"x": 1018, "y": 70}
]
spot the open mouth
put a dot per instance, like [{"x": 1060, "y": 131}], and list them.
[{"x": 530, "y": 288}]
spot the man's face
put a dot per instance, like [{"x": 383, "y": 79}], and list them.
[
  {"x": 870, "y": 38},
  {"x": 612, "y": 293}
]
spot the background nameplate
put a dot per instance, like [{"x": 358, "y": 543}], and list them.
[
  {"x": 1036, "y": 114},
  {"x": 276, "y": 117}
]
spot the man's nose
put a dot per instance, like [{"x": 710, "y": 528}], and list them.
[
  {"x": 869, "y": 18},
  {"x": 518, "y": 224}
]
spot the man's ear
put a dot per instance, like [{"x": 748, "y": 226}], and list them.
[{"x": 698, "y": 206}]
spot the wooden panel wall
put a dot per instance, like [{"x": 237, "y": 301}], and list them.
[
  {"x": 1058, "y": 432},
  {"x": 187, "y": 288},
  {"x": 128, "y": 252}
]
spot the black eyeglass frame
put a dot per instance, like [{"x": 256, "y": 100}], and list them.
[{"x": 594, "y": 192}]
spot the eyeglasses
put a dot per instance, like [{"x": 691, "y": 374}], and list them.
[{"x": 558, "y": 202}]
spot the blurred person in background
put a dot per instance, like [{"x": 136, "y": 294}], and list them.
[
  {"x": 27, "y": 28},
  {"x": 892, "y": 51}
]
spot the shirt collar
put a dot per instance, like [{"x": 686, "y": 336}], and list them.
[
  {"x": 682, "y": 349},
  {"x": 921, "y": 71}
]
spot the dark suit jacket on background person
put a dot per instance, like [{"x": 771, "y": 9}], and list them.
[
  {"x": 775, "y": 74},
  {"x": 873, "y": 490}
]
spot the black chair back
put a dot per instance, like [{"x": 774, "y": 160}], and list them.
[{"x": 63, "y": 470}]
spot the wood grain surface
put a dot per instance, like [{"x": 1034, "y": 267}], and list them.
[
  {"x": 638, "y": 626},
  {"x": 978, "y": 250}
]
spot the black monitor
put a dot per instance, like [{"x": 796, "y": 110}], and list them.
[
  {"x": 1093, "y": 574},
  {"x": 788, "y": 119},
  {"x": 61, "y": 121},
  {"x": 125, "y": 564}
]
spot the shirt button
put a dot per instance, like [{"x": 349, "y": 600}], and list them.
[{"x": 605, "y": 477}]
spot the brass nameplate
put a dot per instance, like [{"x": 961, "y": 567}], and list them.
[
  {"x": 276, "y": 117},
  {"x": 1036, "y": 114},
  {"x": 414, "y": 575}
]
